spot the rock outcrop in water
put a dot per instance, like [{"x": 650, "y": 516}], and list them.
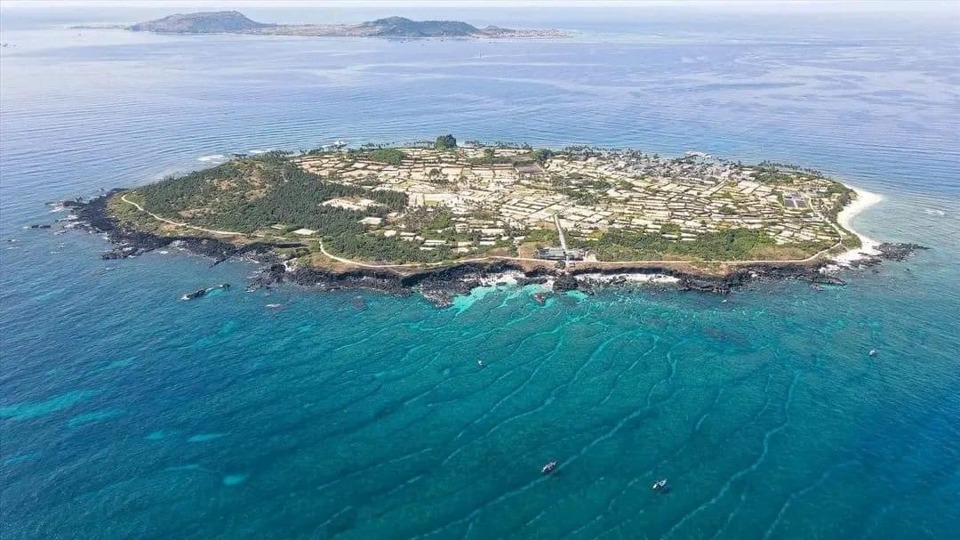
[{"x": 898, "y": 252}]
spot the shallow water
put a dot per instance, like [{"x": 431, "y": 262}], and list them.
[{"x": 127, "y": 413}]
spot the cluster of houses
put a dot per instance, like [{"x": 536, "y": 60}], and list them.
[{"x": 588, "y": 191}]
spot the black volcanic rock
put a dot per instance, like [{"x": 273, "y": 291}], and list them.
[
  {"x": 694, "y": 283},
  {"x": 565, "y": 282},
  {"x": 207, "y": 22},
  {"x": 898, "y": 252}
]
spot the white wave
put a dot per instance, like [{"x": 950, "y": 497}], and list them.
[
  {"x": 934, "y": 212},
  {"x": 627, "y": 276},
  {"x": 213, "y": 158},
  {"x": 505, "y": 278},
  {"x": 257, "y": 151}
]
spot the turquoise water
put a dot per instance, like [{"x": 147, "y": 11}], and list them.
[{"x": 128, "y": 414}]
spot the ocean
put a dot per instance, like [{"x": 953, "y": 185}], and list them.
[{"x": 125, "y": 413}]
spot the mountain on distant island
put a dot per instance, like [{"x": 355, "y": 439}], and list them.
[
  {"x": 234, "y": 22},
  {"x": 207, "y": 22},
  {"x": 403, "y": 27}
]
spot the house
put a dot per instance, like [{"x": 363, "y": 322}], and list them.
[
  {"x": 559, "y": 254},
  {"x": 527, "y": 170}
]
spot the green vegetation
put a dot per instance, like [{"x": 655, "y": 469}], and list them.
[
  {"x": 541, "y": 155},
  {"x": 272, "y": 194},
  {"x": 427, "y": 219},
  {"x": 543, "y": 237},
  {"x": 490, "y": 159},
  {"x": 254, "y": 194},
  {"x": 381, "y": 249},
  {"x": 390, "y": 156},
  {"x": 445, "y": 142},
  {"x": 732, "y": 244},
  {"x": 769, "y": 174}
]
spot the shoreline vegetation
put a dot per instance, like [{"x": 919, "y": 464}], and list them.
[
  {"x": 234, "y": 22},
  {"x": 443, "y": 219}
]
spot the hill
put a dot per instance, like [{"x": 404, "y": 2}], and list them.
[
  {"x": 207, "y": 22},
  {"x": 234, "y": 22},
  {"x": 403, "y": 27}
]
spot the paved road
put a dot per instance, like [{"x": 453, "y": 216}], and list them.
[{"x": 563, "y": 240}]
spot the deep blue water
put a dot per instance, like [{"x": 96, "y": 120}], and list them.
[{"x": 127, "y": 414}]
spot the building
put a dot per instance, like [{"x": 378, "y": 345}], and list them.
[{"x": 560, "y": 254}]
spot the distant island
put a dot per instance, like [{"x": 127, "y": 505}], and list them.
[
  {"x": 389, "y": 216},
  {"x": 234, "y": 22}
]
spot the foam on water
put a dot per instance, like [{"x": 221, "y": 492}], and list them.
[
  {"x": 213, "y": 159},
  {"x": 464, "y": 302}
]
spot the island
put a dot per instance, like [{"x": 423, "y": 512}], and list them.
[
  {"x": 443, "y": 217},
  {"x": 234, "y": 22}
]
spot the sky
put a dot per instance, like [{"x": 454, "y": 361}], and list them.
[{"x": 950, "y": 7}]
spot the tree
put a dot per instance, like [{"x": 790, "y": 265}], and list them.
[
  {"x": 541, "y": 156},
  {"x": 445, "y": 142}
]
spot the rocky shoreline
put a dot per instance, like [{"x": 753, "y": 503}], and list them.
[{"x": 441, "y": 285}]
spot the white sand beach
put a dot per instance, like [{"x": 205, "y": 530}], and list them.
[{"x": 864, "y": 200}]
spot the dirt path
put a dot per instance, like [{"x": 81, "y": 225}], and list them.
[{"x": 171, "y": 222}]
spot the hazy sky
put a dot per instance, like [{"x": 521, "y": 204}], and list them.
[{"x": 952, "y": 6}]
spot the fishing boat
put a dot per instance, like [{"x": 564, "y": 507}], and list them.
[{"x": 549, "y": 468}]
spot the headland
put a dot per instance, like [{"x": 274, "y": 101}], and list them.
[{"x": 441, "y": 218}]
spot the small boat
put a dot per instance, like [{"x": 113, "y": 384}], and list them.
[
  {"x": 549, "y": 468},
  {"x": 480, "y": 363},
  {"x": 873, "y": 352},
  {"x": 659, "y": 484}
]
